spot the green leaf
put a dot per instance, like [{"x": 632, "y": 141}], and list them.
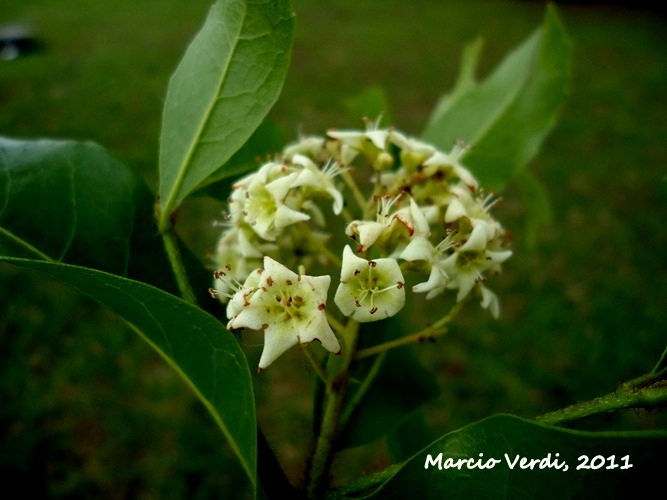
[
  {"x": 73, "y": 202},
  {"x": 193, "y": 342},
  {"x": 67, "y": 201},
  {"x": 502, "y": 435},
  {"x": 263, "y": 144},
  {"x": 229, "y": 78},
  {"x": 506, "y": 117},
  {"x": 536, "y": 201}
]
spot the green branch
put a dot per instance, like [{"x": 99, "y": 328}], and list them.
[
  {"x": 644, "y": 392},
  {"x": 174, "y": 254}
]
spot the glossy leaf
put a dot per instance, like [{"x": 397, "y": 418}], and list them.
[
  {"x": 503, "y": 435},
  {"x": 67, "y": 201},
  {"x": 506, "y": 117},
  {"x": 229, "y": 78},
  {"x": 73, "y": 202},
  {"x": 193, "y": 342}
]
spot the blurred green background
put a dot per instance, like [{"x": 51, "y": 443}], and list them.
[{"x": 87, "y": 409}]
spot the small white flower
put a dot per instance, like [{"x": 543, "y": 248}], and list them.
[
  {"x": 369, "y": 290},
  {"x": 372, "y": 143},
  {"x": 420, "y": 248},
  {"x": 440, "y": 160},
  {"x": 289, "y": 308},
  {"x": 320, "y": 180},
  {"x": 467, "y": 264},
  {"x": 367, "y": 232},
  {"x": 413, "y": 152},
  {"x": 313, "y": 147},
  {"x": 490, "y": 301},
  {"x": 474, "y": 208},
  {"x": 263, "y": 200}
]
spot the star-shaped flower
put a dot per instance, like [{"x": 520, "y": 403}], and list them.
[
  {"x": 289, "y": 308},
  {"x": 320, "y": 180},
  {"x": 369, "y": 290}
]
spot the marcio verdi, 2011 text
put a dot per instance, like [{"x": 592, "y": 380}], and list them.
[{"x": 519, "y": 462}]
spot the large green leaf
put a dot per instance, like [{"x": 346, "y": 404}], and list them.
[
  {"x": 73, "y": 202},
  {"x": 506, "y": 117},
  {"x": 67, "y": 201},
  {"x": 229, "y": 78},
  {"x": 193, "y": 342},
  {"x": 503, "y": 435}
]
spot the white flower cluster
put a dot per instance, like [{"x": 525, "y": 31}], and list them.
[{"x": 424, "y": 215}]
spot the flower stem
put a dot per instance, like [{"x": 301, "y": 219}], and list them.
[
  {"x": 336, "y": 388},
  {"x": 317, "y": 366},
  {"x": 174, "y": 255},
  {"x": 661, "y": 365},
  {"x": 643, "y": 392},
  {"x": 430, "y": 332},
  {"x": 322, "y": 247},
  {"x": 356, "y": 192},
  {"x": 362, "y": 390}
]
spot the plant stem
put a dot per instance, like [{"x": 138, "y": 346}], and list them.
[
  {"x": 174, "y": 255},
  {"x": 358, "y": 196},
  {"x": 661, "y": 365},
  {"x": 364, "y": 484},
  {"x": 322, "y": 247},
  {"x": 317, "y": 366},
  {"x": 430, "y": 332},
  {"x": 643, "y": 392},
  {"x": 362, "y": 390},
  {"x": 336, "y": 389}
]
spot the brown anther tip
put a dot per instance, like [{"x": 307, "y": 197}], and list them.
[
  {"x": 265, "y": 326},
  {"x": 339, "y": 352},
  {"x": 357, "y": 272},
  {"x": 372, "y": 263},
  {"x": 213, "y": 293},
  {"x": 400, "y": 285},
  {"x": 322, "y": 307},
  {"x": 289, "y": 282},
  {"x": 374, "y": 310},
  {"x": 259, "y": 370}
]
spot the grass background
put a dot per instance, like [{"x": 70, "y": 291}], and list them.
[{"x": 87, "y": 408}]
